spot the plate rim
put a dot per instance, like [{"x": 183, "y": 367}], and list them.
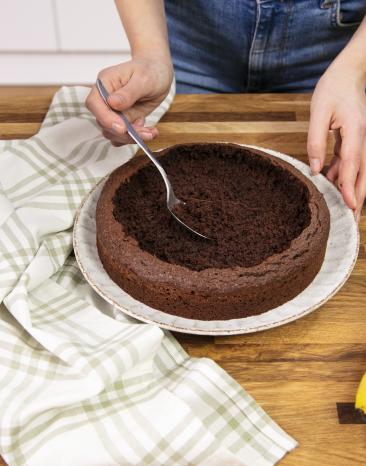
[{"x": 188, "y": 329}]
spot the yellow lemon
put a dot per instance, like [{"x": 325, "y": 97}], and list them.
[{"x": 361, "y": 395}]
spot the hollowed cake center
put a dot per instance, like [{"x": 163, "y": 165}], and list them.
[{"x": 249, "y": 207}]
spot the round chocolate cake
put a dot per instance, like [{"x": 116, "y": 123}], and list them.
[{"x": 267, "y": 225}]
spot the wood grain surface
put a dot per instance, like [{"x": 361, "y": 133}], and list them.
[{"x": 304, "y": 374}]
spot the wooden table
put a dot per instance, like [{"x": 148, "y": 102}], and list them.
[{"x": 299, "y": 372}]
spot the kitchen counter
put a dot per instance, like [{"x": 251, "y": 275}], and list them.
[{"x": 304, "y": 374}]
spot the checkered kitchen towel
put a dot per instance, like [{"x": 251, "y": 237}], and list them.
[{"x": 78, "y": 384}]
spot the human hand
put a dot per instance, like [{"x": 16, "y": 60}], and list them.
[
  {"x": 136, "y": 87},
  {"x": 339, "y": 104}
]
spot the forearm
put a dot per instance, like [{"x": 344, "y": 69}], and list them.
[
  {"x": 145, "y": 25},
  {"x": 353, "y": 56}
]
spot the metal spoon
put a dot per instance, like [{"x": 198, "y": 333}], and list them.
[{"x": 171, "y": 199}]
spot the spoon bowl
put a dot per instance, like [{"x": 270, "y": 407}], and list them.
[{"x": 171, "y": 199}]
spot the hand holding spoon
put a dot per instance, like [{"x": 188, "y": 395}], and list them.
[{"x": 171, "y": 199}]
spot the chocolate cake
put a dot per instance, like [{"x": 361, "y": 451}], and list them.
[{"x": 267, "y": 224}]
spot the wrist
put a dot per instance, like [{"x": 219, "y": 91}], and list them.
[
  {"x": 352, "y": 69},
  {"x": 352, "y": 59},
  {"x": 160, "y": 56},
  {"x": 151, "y": 47}
]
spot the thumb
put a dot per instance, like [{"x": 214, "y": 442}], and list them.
[
  {"x": 125, "y": 97},
  {"x": 317, "y": 139}
]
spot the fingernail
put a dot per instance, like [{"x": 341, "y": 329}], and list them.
[
  {"x": 315, "y": 166},
  {"x": 117, "y": 128}
]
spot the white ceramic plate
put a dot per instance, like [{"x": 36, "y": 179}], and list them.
[{"x": 340, "y": 258}]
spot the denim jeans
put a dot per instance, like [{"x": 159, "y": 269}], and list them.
[{"x": 257, "y": 45}]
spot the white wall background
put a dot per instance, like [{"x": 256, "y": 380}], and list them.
[{"x": 59, "y": 41}]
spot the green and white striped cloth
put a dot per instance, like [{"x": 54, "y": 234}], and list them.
[{"x": 80, "y": 385}]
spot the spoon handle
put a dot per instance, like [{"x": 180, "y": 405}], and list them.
[{"x": 135, "y": 136}]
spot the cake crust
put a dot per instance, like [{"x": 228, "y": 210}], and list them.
[{"x": 212, "y": 293}]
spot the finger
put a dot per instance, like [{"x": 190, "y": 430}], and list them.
[
  {"x": 139, "y": 121},
  {"x": 105, "y": 117},
  {"x": 153, "y": 130},
  {"x": 126, "y": 138},
  {"x": 146, "y": 132},
  {"x": 361, "y": 185},
  {"x": 350, "y": 158},
  {"x": 348, "y": 171},
  {"x": 138, "y": 125},
  {"x": 332, "y": 173},
  {"x": 120, "y": 139},
  {"x": 143, "y": 131},
  {"x": 333, "y": 169},
  {"x": 317, "y": 138},
  {"x": 360, "y": 196}
]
